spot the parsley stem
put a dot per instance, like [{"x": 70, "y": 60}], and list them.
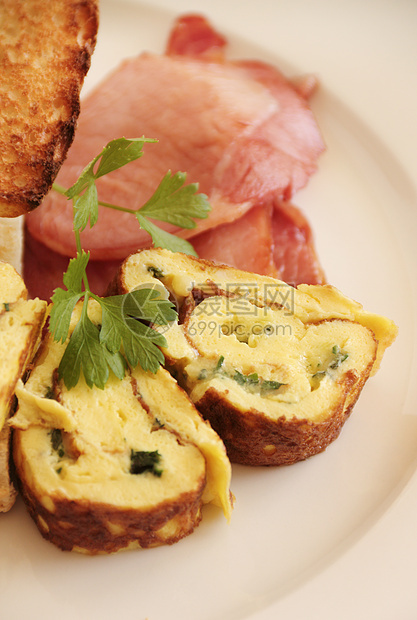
[
  {"x": 115, "y": 207},
  {"x": 61, "y": 190},
  {"x": 79, "y": 253},
  {"x": 94, "y": 296},
  {"x": 58, "y": 188}
]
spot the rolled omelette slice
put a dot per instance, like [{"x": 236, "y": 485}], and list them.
[
  {"x": 124, "y": 467},
  {"x": 275, "y": 369},
  {"x": 21, "y": 322}
]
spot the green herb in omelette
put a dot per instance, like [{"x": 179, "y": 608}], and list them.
[
  {"x": 57, "y": 442},
  {"x": 339, "y": 357},
  {"x": 219, "y": 363},
  {"x": 142, "y": 461}
]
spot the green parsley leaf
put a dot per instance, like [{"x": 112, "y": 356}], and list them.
[
  {"x": 86, "y": 208},
  {"x": 85, "y": 353},
  {"x": 142, "y": 304},
  {"x": 115, "y": 154},
  {"x": 116, "y": 362},
  {"x": 148, "y": 305},
  {"x": 140, "y": 342},
  {"x": 73, "y": 277},
  {"x": 63, "y": 302},
  {"x": 120, "y": 152},
  {"x": 141, "y": 346},
  {"x": 176, "y": 203},
  {"x": 85, "y": 179},
  {"x": 163, "y": 239}
]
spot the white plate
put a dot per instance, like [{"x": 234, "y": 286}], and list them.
[{"x": 335, "y": 536}]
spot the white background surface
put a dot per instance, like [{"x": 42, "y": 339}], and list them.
[{"x": 335, "y": 536}]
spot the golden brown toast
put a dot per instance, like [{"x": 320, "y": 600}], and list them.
[
  {"x": 45, "y": 50},
  {"x": 124, "y": 467},
  {"x": 21, "y": 322},
  {"x": 275, "y": 369}
]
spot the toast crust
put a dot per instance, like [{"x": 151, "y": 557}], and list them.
[{"x": 47, "y": 47}]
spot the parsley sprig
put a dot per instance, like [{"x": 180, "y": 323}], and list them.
[
  {"x": 173, "y": 202},
  {"x": 123, "y": 337},
  {"x": 126, "y": 335}
]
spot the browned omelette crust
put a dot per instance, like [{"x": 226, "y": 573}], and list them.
[
  {"x": 118, "y": 284},
  {"x": 252, "y": 438},
  {"x": 95, "y": 528},
  {"x": 7, "y": 488},
  {"x": 46, "y": 52}
]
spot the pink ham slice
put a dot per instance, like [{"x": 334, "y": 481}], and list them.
[
  {"x": 246, "y": 243},
  {"x": 43, "y": 269},
  {"x": 274, "y": 240},
  {"x": 239, "y": 129},
  {"x": 294, "y": 253},
  {"x": 193, "y": 35}
]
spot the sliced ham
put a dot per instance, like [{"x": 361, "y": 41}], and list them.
[
  {"x": 43, "y": 270},
  {"x": 193, "y": 35},
  {"x": 294, "y": 252},
  {"x": 239, "y": 129},
  {"x": 246, "y": 243},
  {"x": 274, "y": 240}
]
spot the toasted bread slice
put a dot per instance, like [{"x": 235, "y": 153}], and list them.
[
  {"x": 124, "y": 467},
  {"x": 45, "y": 54},
  {"x": 275, "y": 369},
  {"x": 21, "y": 322}
]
